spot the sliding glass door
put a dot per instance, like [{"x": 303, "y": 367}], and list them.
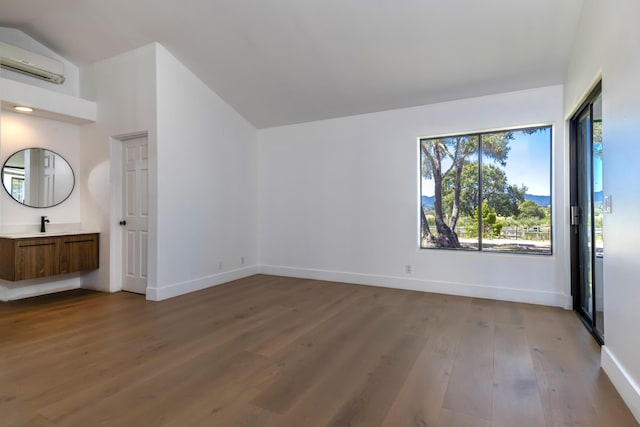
[{"x": 587, "y": 210}]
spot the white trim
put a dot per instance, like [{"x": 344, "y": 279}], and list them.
[
  {"x": 132, "y": 135},
  {"x": 489, "y": 130},
  {"x": 529, "y": 296},
  {"x": 592, "y": 85},
  {"x": 115, "y": 213},
  {"x": 622, "y": 381},
  {"x": 181, "y": 288}
]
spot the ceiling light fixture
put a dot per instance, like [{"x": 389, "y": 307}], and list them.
[{"x": 23, "y": 109}]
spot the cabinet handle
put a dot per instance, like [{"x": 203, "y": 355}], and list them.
[
  {"x": 37, "y": 244},
  {"x": 79, "y": 241}
]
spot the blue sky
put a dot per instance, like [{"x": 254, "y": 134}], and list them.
[
  {"x": 528, "y": 163},
  {"x": 597, "y": 173}
]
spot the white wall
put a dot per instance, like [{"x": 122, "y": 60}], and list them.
[
  {"x": 21, "y": 131},
  {"x": 202, "y": 177},
  {"x": 18, "y": 131},
  {"x": 207, "y": 185},
  {"x": 124, "y": 88},
  {"x": 19, "y": 39},
  {"x": 339, "y": 201},
  {"x": 608, "y": 42}
]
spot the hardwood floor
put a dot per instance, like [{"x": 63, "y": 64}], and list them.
[{"x": 272, "y": 351}]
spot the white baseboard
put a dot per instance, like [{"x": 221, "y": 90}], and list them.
[
  {"x": 452, "y": 288},
  {"x": 530, "y": 296},
  {"x": 568, "y": 302},
  {"x": 176, "y": 289},
  {"x": 622, "y": 381}
]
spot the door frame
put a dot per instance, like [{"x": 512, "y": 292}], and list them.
[
  {"x": 115, "y": 240},
  {"x": 576, "y": 291}
]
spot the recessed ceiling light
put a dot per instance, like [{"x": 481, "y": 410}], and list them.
[{"x": 23, "y": 109}]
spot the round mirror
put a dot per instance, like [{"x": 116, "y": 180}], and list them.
[{"x": 38, "y": 178}]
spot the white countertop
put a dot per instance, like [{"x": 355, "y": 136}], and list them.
[{"x": 32, "y": 234}]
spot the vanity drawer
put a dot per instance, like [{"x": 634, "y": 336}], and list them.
[
  {"x": 36, "y": 258},
  {"x": 78, "y": 253}
]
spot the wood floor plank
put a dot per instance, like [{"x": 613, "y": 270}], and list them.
[
  {"x": 316, "y": 354},
  {"x": 559, "y": 372},
  {"x": 308, "y": 318},
  {"x": 145, "y": 370},
  {"x": 420, "y": 400},
  {"x": 450, "y": 418},
  {"x": 353, "y": 369},
  {"x": 508, "y": 313},
  {"x": 162, "y": 399},
  {"x": 37, "y": 421},
  {"x": 142, "y": 359},
  {"x": 273, "y": 351},
  {"x": 245, "y": 416},
  {"x": 421, "y": 397},
  {"x": 516, "y": 400},
  {"x": 372, "y": 398},
  {"x": 470, "y": 388}
]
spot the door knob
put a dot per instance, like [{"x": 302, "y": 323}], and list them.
[{"x": 123, "y": 222}]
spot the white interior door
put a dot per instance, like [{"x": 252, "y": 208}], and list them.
[
  {"x": 48, "y": 176},
  {"x": 135, "y": 217}
]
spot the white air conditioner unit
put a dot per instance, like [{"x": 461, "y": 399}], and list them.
[{"x": 32, "y": 64}]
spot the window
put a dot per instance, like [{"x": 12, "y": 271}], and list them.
[{"x": 487, "y": 191}]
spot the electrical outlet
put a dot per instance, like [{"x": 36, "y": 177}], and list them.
[
  {"x": 242, "y": 260},
  {"x": 407, "y": 269},
  {"x": 219, "y": 265}
]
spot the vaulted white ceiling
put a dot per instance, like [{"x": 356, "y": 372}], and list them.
[{"x": 288, "y": 61}]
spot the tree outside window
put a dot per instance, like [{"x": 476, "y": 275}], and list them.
[{"x": 487, "y": 191}]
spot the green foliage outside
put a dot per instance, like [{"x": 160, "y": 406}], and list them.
[
  {"x": 494, "y": 225},
  {"x": 502, "y": 198},
  {"x": 530, "y": 209}
]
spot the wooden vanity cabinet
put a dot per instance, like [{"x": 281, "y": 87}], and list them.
[{"x": 31, "y": 258}]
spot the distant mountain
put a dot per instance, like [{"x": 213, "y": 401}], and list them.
[{"x": 543, "y": 201}]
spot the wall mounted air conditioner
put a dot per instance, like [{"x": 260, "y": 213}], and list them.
[{"x": 32, "y": 64}]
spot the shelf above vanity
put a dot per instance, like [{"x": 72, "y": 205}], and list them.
[
  {"x": 47, "y": 103},
  {"x": 32, "y": 255}
]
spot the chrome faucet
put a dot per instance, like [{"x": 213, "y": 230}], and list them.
[{"x": 43, "y": 221}]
